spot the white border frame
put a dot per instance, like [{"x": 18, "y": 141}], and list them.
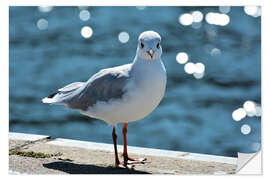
[{"x": 5, "y": 63}]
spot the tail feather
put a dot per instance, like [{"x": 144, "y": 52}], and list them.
[
  {"x": 60, "y": 96},
  {"x": 48, "y": 100}
]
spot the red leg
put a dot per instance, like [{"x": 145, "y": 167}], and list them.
[
  {"x": 117, "y": 162},
  {"x": 127, "y": 159},
  {"x": 125, "y": 155}
]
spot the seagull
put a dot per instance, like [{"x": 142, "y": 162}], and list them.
[{"x": 120, "y": 94}]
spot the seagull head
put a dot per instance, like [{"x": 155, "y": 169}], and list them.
[{"x": 149, "y": 47}]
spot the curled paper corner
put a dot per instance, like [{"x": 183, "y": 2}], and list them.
[{"x": 249, "y": 163}]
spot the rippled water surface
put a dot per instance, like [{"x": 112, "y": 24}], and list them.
[{"x": 195, "y": 114}]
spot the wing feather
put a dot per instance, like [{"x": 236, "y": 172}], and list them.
[{"x": 105, "y": 85}]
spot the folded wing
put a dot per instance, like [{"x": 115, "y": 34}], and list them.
[{"x": 105, "y": 85}]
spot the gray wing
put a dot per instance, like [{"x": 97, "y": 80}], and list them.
[
  {"x": 60, "y": 96},
  {"x": 105, "y": 85}
]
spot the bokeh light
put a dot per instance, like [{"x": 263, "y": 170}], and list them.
[
  {"x": 190, "y": 68},
  {"x": 186, "y": 19},
  {"x": 197, "y": 16},
  {"x": 198, "y": 75},
  {"x": 86, "y": 32},
  {"x": 224, "y": 9},
  {"x": 245, "y": 129},
  {"x": 258, "y": 110},
  {"x": 217, "y": 19},
  {"x": 42, "y": 24},
  {"x": 199, "y": 68},
  {"x": 123, "y": 37},
  {"x": 45, "y": 9},
  {"x": 84, "y": 15},
  {"x": 254, "y": 11},
  {"x": 182, "y": 57},
  {"x": 215, "y": 52},
  {"x": 249, "y": 107},
  {"x": 239, "y": 114}
]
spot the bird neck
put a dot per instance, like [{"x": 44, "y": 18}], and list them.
[
  {"x": 144, "y": 67},
  {"x": 141, "y": 63},
  {"x": 148, "y": 72}
]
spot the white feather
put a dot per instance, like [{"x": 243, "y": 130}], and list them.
[{"x": 48, "y": 100}]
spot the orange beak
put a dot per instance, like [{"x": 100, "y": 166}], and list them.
[{"x": 150, "y": 52}]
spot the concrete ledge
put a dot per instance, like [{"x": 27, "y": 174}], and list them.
[
  {"x": 66, "y": 156},
  {"x": 144, "y": 151},
  {"x": 26, "y": 137}
]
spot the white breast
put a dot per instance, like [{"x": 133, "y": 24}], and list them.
[{"x": 144, "y": 93}]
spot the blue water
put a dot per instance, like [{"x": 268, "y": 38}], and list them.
[{"x": 195, "y": 114}]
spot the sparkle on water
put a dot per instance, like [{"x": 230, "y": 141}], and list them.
[
  {"x": 258, "y": 110},
  {"x": 186, "y": 19},
  {"x": 254, "y": 11},
  {"x": 86, "y": 32},
  {"x": 239, "y": 114},
  {"x": 45, "y": 9},
  {"x": 197, "y": 16},
  {"x": 198, "y": 75},
  {"x": 84, "y": 15},
  {"x": 245, "y": 129},
  {"x": 217, "y": 19},
  {"x": 199, "y": 68},
  {"x": 123, "y": 37},
  {"x": 42, "y": 24},
  {"x": 224, "y": 9},
  {"x": 215, "y": 52},
  {"x": 250, "y": 108},
  {"x": 182, "y": 57},
  {"x": 189, "y": 68}
]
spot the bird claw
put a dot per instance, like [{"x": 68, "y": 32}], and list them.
[
  {"x": 123, "y": 166},
  {"x": 136, "y": 161}
]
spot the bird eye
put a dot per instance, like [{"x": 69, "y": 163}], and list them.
[
  {"x": 158, "y": 45},
  {"x": 142, "y": 45}
]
